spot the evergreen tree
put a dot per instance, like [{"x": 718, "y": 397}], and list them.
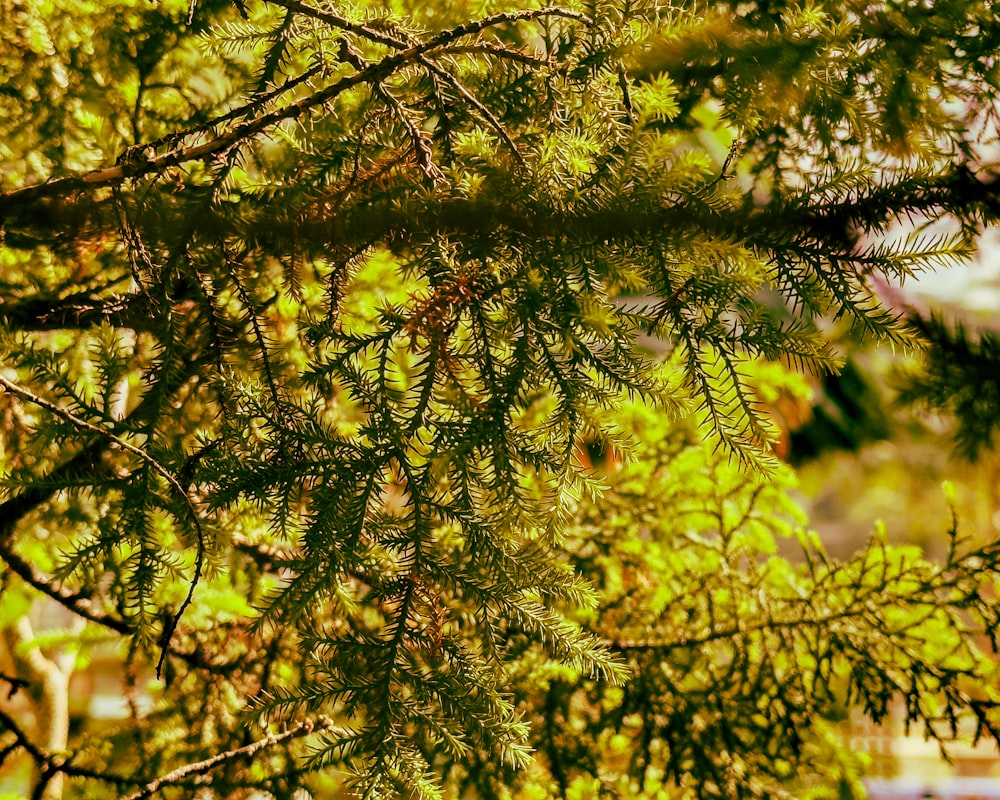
[{"x": 312, "y": 315}]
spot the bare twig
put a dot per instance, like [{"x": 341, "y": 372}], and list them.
[
  {"x": 78, "y": 311},
  {"x": 498, "y": 50},
  {"x": 15, "y": 683},
  {"x": 199, "y": 768}
]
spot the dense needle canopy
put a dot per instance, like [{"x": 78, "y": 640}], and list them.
[{"x": 391, "y": 378}]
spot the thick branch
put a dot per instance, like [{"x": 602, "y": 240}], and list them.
[{"x": 959, "y": 193}]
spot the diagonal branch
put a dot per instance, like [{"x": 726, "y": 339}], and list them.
[
  {"x": 140, "y": 165},
  {"x": 499, "y": 51},
  {"x": 77, "y": 603},
  {"x": 342, "y": 23},
  {"x": 476, "y": 103},
  {"x": 189, "y": 771},
  {"x": 418, "y": 137}
]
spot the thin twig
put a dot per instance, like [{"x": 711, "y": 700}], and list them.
[
  {"x": 77, "y": 603},
  {"x": 492, "y": 49},
  {"x": 16, "y": 684},
  {"x": 258, "y": 102},
  {"x": 248, "y": 751},
  {"x": 82, "y": 424},
  {"x": 342, "y": 23},
  {"x": 421, "y": 147},
  {"x": 234, "y": 263}
]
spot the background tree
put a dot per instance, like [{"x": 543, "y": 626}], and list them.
[{"x": 309, "y": 310}]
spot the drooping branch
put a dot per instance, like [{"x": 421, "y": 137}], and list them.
[{"x": 89, "y": 460}]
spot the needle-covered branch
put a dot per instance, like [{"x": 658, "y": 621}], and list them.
[{"x": 439, "y": 350}]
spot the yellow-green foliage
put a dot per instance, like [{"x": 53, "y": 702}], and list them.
[{"x": 316, "y": 320}]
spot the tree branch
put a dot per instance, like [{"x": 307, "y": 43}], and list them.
[
  {"x": 77, "y": 603},
  {"x": 82, "y": 424},
  {"x": 476, "y": 104},
  {"x": 51, "y": 763},
  {"x": 341, "y": 23},
  {"x": 83, "y": 606},
  {"x": 189, "y": 771},
  {"x": 140, "y": 166},
  {"x": 78, "y": 311}
]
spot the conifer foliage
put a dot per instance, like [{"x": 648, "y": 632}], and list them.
[{"x": 309, "y": 309}]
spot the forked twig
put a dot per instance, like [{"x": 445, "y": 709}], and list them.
[{"x": 476, "y": 103}]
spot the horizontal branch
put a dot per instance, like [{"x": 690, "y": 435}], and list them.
[
  {"x": 78, "y": 311},
  {"x": 313, "y": 229}
]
